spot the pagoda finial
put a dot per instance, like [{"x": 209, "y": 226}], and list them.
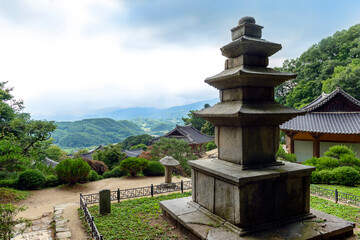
[{"x": 246, "y": 19}]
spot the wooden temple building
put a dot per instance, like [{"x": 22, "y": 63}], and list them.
[
  {"x": 189, "y": 134},
  {"x": 331, "y": 119}
]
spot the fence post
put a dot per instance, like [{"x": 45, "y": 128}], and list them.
[
  {"x": 182, "y": 186},
  {"x": 336, "y": 195},
  {"x": 152, "y": 190},
  {"x": 118, "y": 195}
]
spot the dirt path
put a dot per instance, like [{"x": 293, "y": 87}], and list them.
[{"x": 42, "y": 201}]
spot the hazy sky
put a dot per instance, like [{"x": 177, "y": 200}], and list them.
[{"x": 65, "y": 56}]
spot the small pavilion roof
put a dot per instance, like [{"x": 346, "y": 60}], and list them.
[{"x": 189, "y": 134}]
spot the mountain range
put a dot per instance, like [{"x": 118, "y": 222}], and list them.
[{"x": 176, "y": 112}]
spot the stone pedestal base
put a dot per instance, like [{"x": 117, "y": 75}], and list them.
[
  {"x": 199, "y": 223},
  {"x": 252, "y": 198}
]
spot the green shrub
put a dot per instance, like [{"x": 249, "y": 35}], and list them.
[
  {"x": 325, "y": 176},
  {"x": 107, "y": 174},
  {"x": 100, "y": 177},
  {"x": 347, "y": 176},
  {"x": 116, "y": 172},
  {"x": 338, "y": 151},
  {"x": 210, "y": 146},
  {"x": 93, "y": 176},
  {"x": 31, "y": 179},
  {"x": 133, "y": 165},
  {"x": 311, "y": 162},
  {"x": 9, "y": 183},
  {"x": 282, "y": 155},
  {"x": 72, "y": 170},
  {"x": 315, "y": 178},
  {"x": 326, "y": 163},
  {"x": 154, "y": 168},
  {"x": 349, "y": 160},
  {"x": 8, "y": 220},
  {"x": 52, "y": 181}
]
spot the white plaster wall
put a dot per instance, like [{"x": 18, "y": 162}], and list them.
[
  {"x": 324, "y": 146},
  {"x": 303, "y": 150}
]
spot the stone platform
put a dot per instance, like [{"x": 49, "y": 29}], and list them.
[{"x": 199, "y": 223}]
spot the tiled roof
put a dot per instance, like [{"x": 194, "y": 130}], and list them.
[
  {"x": 132, "y": 153},
  {"x": 187, "y": 133},
  {"x": 335, "y": 123},
  {"x": 191, "y": 134},
  {"x": 324, "y": 98},
  {"x": 49, "y": 162}
]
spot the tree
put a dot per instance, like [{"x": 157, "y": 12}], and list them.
[
  {"x": 135, "y": 140},
  {"x": 8, "y": 213},
  {"x": 22, "y": 139},
  {"x": 139, "y": 146},
  {"x": 199, "y": 123},
  {"x": 72, "y": 170},
  {"x": 316, "y": 66},
  {"x": 133, "y": 165},
  {"x": 111, "y": 155},
  {"x": 178, "y": 149},
  {"x": 346, "y": 77},
  {"x": 55, "y": 153}
]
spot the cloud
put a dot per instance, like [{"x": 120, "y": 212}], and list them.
[{"x": 66, "y": 56}]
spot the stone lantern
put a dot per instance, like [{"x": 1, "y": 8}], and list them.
[
  {"x": 169, "y": 163},
  {"x": 246, "y": 193}
]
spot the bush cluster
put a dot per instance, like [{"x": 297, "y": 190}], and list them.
[
  {"x": 338, "y": 166},
  {"x": 133, "y": 165},
  {"x": 282, "y": 155},
  {"x": 31, "y": 179},
  {"x": 115, "y": 173},
  {"x": 154, "y": 168},
  {"x": 72, "y": 170}
]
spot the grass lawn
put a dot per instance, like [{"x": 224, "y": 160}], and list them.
[
  {"x": 350, "y": 190},
  {"x": 9, "y": 195},
  {"x": 136, "y": 219},
  {"x": 140, "y": 218}
]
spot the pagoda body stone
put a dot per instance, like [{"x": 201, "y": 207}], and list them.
[{"x": 246, "y": 187}]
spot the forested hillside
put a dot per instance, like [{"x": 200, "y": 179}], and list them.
[
  {"x": 93, "y": 132},
  {"x": 333, "y": 62}
]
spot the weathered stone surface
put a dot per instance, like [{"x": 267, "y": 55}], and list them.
[
  {"x": 63, "y": 235},
  {"x": 244, "y": 76},
  {"x": 38, "y": 235},
  {"x": 204, "y": 225},
  {"x": 250, "y": 46},
  {"x": 242, "y": 113},
  {"x": 105, "y": 202},
  {"x": 247, "y": 120},
  {"x": 247, "y": 198}
]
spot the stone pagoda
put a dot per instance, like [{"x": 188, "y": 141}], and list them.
[{"x": 246, "y": 193}]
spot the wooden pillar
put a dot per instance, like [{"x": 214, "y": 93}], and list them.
[
  {"x": 316, "y": 144},
  {"x": 290, "y": 135}
]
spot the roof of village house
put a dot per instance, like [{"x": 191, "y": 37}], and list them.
[
  {"x": 133, "y": 153},
  {"x": 334, "y": 113},
  {"x": 325, "y": 98},
  {"x": 334, "y": 123},
  {"x": 188, "y": 133},
  {"x": 49, "y": 162}
]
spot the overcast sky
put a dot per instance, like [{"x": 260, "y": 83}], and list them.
[{"x": 65, "y": 56}]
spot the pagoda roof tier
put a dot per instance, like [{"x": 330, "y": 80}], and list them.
[
  {"x": 243, "y": 113},
  {"x": 245, "y": 76},
  {"x": 251, "y": 46}
]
